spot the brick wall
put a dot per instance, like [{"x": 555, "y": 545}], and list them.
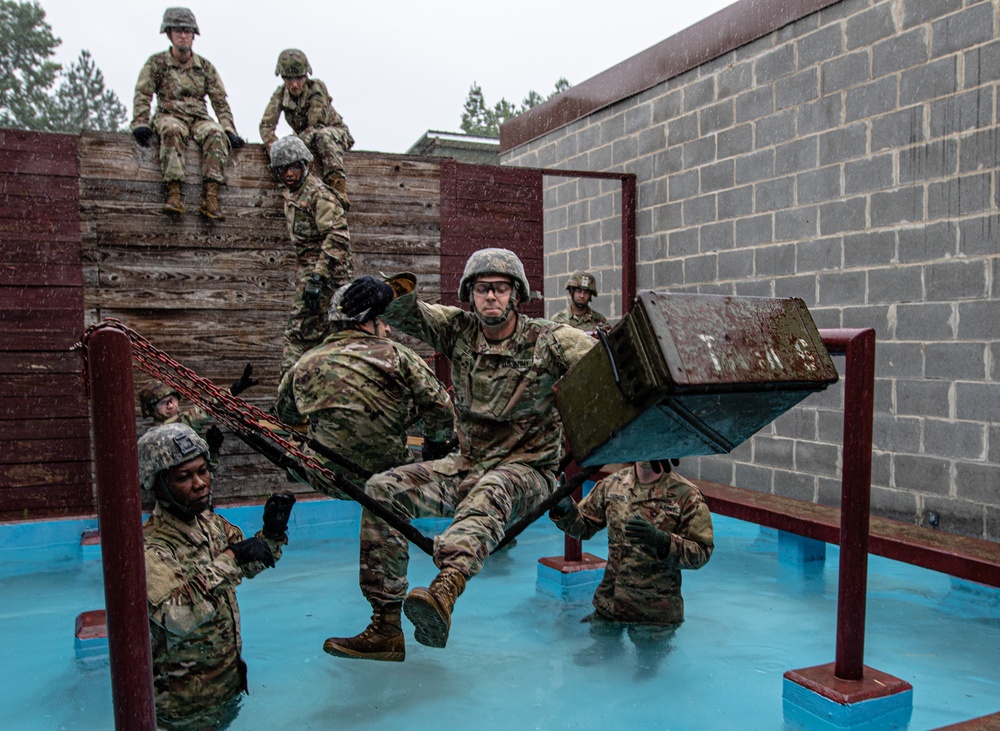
[{"x": 851, "y": 158}]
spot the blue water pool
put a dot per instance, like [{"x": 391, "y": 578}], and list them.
[{"x": 517, "y": 658}]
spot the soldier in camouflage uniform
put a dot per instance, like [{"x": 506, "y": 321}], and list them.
[
  {"x": 317, "y": 226},
  {"x": 194, "y": 561},
  {"x": 358, "y": 390},
  {"x": 161, "y": 403},
  {"x": 503, "y": 368},
  {"x": 658, "y": 523},
  {"x": 306, "y": 104},
  {"x": 582, "y": 286},
  {"x": 181, "y": 79}
]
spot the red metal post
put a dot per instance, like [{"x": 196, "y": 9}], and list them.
[
  {"x": 628, "y": 242},
  {"x": 855, "y": 500},
  {"x": 119, "y": 513}
]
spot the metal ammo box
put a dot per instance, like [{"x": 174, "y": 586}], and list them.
[{"x": 688, "y": 374}]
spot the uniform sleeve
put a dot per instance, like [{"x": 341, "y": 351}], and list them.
[
  {"x": 429, "y": 396},
  {"x": 145, "y": 88},
  {"x": 331, "y": 221},
  {"x": 570, "y": 345},
  {"x": 220, "y": 101},
  {"x": 694, "y": 540},
  {"x": 435, "y": 325},
  {"x": 269, "y": 122},
  {"x": 586, "y": 517},
  {"x": 285, "y": 406}
]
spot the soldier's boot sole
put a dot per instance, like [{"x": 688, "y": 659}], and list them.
[
  {"x": 391, "y": 649},
  {"x": 431, "y": 621}
]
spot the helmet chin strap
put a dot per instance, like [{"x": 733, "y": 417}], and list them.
[
  {"x": 165, "y": 496},
  {"x": 494, "y": 321},
  {"x": 302, "y": 178}
]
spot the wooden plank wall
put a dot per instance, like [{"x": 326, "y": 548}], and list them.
[
  {"x": 45, "y": 467},
  {"x": 215, "y": 295}
]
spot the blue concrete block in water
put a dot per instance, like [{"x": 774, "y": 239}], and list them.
[
  {"x": 570, "y": 580},
  {"x": 91, "y": 639},
  {"x": 813, "y": 699}
]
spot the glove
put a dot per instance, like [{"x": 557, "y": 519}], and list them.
[
  {"x": 366, "y": 293},
  {"x": 252, "y": 550},
  {"x": 235, "y": 141},
  {"x": 143, "y": 135},
  {"x": 277, "y": 509},
  {"x": 311, "y": 294},
  {"x": 561, "y": 508},
  {"x": 215, "y": 438},
  {"x": 640, "y": 531},
  {"x": 244, "y": 382},
  {"x": 436, "y": 450}
]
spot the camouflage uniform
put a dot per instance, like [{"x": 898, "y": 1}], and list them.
[
  {"x": 312, "y": 117},
  {"x": 317, "y": 226},
  {"x": 639, "y": 586},
  {"x": 194, "y": 619},
  {"x": 181, "y": 113},
  {"x": 589, "y": 320},
  {"x": 510, "y": 435},
  {"x": 357, "y": 389}
]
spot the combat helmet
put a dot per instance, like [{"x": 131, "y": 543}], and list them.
[
  {"x": 494, "y": 261},
  {"x": 289, "y": 150},
  {"x": 337, "y": 317},
  {"x": 152, "y": 394},
  {"x": 292, "y": 62},
  {"x": 179, "y": 18},
  {"x": 165, "y": 447},
  {"x": 583, "y": 280}
]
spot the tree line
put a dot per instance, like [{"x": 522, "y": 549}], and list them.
[{"x": 483, "y": 121}]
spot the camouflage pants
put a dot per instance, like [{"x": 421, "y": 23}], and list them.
[
  {"x": 174, "y": 133},
  {"x": 305, "y": 329},
  {"x": 327, "y": 144},
  {"x": 480, "y": 504}
]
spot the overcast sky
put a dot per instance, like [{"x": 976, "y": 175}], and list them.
[{"x": 394, "y": 69}]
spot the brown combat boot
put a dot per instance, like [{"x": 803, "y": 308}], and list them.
[
  {"x": 430, "y": 609},
  {"x": 381, "y": 640},
  {"x": 173, "y": 203},
  {"x": 210, "y": 201},
  {"x": 339, "y": 184}
]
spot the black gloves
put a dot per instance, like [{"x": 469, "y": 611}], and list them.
[
  {"x": 312, "y": 294},
  {"x": 436, "y": 450},
  {"x": 244, "y": 382},
  {"x": 214, "y": 438},
  {"x": 143, "y": 135},
  {"x": 561, "y": 508},
  {"x": 277, "y": 509},
  {"x": 639, "y": 531},
  {"x": 366, "y": 293},
  {"x": 252, "y": 550},
  {"x": 235, "y": 141}
]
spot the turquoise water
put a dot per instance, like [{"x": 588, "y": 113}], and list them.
[{"x": 516, "y": 659}]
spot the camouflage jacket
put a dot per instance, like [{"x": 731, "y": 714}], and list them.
[
  {"x": 639, "y": 586},
  {"x": 502, "y": 391},
  {"x": 317, "y": 226},
  {"x": 194, "y": 620},
  {"x": 180, "y": 91},
  {"x": 589, "y": 320},
  {"x": 195, "y": 417},
  {"x": 312, "y": 109},
  {"x": 358, "y": 391}
]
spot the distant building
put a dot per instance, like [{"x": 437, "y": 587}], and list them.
[{"x": 462, "y": 147}]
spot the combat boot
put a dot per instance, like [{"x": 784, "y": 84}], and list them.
[
  {"x": 381, "y": 640},
  {"x": 339, "y": 184},
  {"x": 210, "y": 201},
  {"x": 430, "y": 609},
  {"x": 173, "y": 203}
]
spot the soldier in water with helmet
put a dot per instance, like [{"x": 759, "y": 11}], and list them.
[
  {"x": 317, "y": 227},
  {"x": 180, "y": 80},
  {"x": 305, "y": 103},
  {"x": 582, "y": 287},
  {"x": 511, "y": 440}
]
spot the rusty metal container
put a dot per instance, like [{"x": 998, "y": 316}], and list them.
[{"x": 687, "y": 374}]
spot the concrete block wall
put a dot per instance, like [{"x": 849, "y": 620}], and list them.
[{"x": 850, "y": 158}]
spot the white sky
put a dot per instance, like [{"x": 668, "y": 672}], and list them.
[{"x": 394, "y": 69}]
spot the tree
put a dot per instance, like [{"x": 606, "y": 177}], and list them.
[
  {"x": 28, "y": 75},
  {"x": 478, "y": 120}
]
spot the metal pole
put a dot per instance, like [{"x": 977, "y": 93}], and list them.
[
  {"x": 119, "y": 514},
  {"x": 855, "y": 500},
  {"x": 628, "y": 242}
]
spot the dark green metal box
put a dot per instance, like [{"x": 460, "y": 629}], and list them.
[{"x": 689, "y": 374}]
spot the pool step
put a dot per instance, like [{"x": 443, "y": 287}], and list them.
[{"x": 91, "y": 640}]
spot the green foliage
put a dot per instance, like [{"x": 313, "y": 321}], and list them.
[
  {"x": 28, "y": 76},
  {"x": 479, "y": 120}
]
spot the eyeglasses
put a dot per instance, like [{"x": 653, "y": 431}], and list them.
[{"x": 484, "y": 288}]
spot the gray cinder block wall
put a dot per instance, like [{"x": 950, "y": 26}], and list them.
[{"x": 850, "y": 158}]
